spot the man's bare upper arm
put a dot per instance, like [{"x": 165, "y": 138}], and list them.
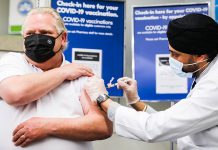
[{"x": 85, "y": 102}]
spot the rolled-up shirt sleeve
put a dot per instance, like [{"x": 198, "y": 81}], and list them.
[
  {"x": 11, "y": 65},
  {"x": 112, "y": 110}
]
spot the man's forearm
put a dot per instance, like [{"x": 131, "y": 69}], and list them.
[
  {"x": 139, "y": 106},
  {"x": 87, "y": 128},
  {"x": 21, "y": 90}
]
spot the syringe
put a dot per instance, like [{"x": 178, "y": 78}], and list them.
[{"x": 110, "y": 85}]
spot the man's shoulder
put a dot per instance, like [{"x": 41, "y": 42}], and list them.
[
  {"x": 81, "y": 80},
  {"x": 12, "y": 56}
]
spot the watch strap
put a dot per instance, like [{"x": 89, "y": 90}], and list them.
[{"x": 101, "y": 98}]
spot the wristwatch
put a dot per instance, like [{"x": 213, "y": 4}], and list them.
[{"x": 101, "y": 98}]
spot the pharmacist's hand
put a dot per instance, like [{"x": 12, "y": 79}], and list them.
[{"x": 130, "y": 89}]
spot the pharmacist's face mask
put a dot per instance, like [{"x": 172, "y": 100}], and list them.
[
  {"x": 177, "y": 67},
  {"x": 39, "y": 47}
]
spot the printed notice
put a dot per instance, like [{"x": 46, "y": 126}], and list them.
[
  {"x": 91, "y": 58},
  {"x": 87, "y": 17},
  {"x": 155, "y": 20},
  {"x": 167, "y": 82}
]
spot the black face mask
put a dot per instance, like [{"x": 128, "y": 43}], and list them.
[{"x": 39, "y": 47}]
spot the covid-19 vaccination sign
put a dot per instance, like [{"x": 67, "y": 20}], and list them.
[
  {"x": 95, "y": 35},
  {"x": 156, "y": 80}
]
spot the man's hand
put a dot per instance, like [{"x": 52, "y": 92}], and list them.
[
  {"x": 94, "y": 87},
  {"x": 29, "y": 131},
  {"x": 130, "y": 89},
  {"x": 74, "y": 71}
]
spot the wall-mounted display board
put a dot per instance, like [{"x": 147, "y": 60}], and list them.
[
  {"x": 95, "y": 35},
  {"x": 156, "y": 81}
]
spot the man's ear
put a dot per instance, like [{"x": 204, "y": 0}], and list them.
[
  {"x": 200, "y": 58},
  {"x": 64, "y": 38}
]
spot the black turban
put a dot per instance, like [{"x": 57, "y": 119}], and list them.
[{"x": 194, "y": 34}]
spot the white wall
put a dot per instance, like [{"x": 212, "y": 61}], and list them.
[
  {"x": 2, "y": 53},
  {"x": 4, "y": 11}
]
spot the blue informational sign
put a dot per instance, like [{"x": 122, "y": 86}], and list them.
[
  {"x": 216, "y": 10},
  {"x": 156, "y": 81},
  {"x": 99, "y": 26},
  {"x": 216, "y": 13}
]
